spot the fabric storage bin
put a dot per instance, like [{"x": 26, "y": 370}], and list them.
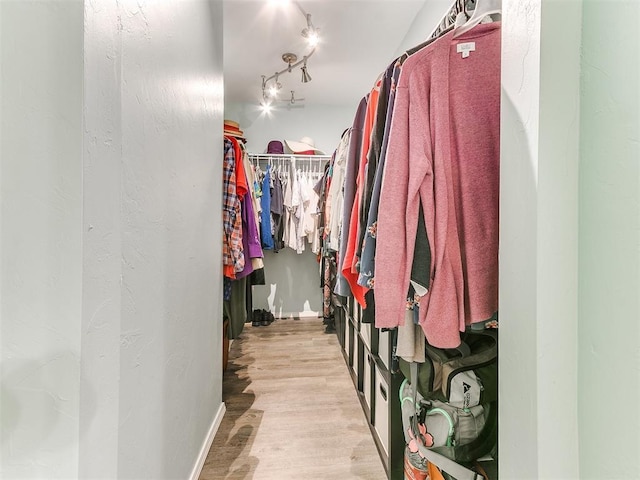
[
  {"x": 383, "y": 347},
  {"x": 354, "y": 353},
  {"x": 348, "y": 334},
  {"x": 381, "y": 414},
  {"x": 365, "y": 331},
  {"x": 366, "y": 381}
]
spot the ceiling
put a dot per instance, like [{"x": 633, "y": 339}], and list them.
[{"x": 358, "y": 40}]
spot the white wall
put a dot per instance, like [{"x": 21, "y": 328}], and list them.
[
  {"x": 425, "y": 22},
  {"x": 41, "y": 237},
  {"x": 324, "y": 124},
  {"x": 170, "y": 363},
  {"x": 609, "y": 331},
  {"x": 292, "y": 284},
  {"x": 538, "y": 239},
  {"x": 587, "y": 371},
  {"x": 111, "y": 237}
]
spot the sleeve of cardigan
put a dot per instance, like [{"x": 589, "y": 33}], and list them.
[
  {"x": 406, "y": 165},
  {"x": 391, "y": 279}
]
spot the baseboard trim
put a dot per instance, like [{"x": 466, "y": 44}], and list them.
[
  {"x": 206, "y": 446},
  {"x": 297, "y": 315}
]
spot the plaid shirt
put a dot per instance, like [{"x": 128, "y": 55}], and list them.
[{"x": 232, "y": 250}]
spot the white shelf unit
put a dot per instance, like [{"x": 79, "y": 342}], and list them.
[{"x": 367, "y": 352}]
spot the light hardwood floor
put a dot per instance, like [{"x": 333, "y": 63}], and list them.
[{"x": 292, "y": 410}]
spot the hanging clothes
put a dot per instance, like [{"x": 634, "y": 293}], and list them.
[
  {"x": 373, "y": 181},
  {"x": 342, "y": 287},
  {"x": 453, "y": 173},
  {"x": 232, "y": 248},
  {"x": 335, "y": 196},
  {"x": 302, "y": 209},
  {"x": 277, "y": 212},
  {"x": 235, "y": 309},
  {"x": 250, "y": 238},
  {"x": 350, "y": 265},
  {"x": 422, "y": 253},
  {"x": 256, "y": 262},
  {"x": 265, "y": 217},
  {"x": 295, "y": 207},
  {"x": 311, "y": 223}
]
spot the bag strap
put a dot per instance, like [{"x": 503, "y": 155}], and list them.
[{"x": 439, "y": 460}]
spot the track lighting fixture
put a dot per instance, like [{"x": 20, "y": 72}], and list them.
[
  {"x": 310, "y": 32},
  {"x": 293, "y": 98},
  {"x": 265, "y": 106},
  {"x": 274, "y": 88},
  {"x": 306, "y": 78},
  {"x": 270, "y": 85}
]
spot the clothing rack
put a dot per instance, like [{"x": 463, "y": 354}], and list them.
[
  {"x": 288, "y": 156},
  {"x": 313, "y": 163}
]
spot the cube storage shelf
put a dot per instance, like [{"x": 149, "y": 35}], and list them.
[{"x": 367, "y": 352}]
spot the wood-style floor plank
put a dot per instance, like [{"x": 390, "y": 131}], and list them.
[{"x": 292, "y": 410}]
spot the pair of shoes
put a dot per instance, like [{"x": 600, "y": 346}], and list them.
[
  {"x": 256, "y": 318},
  {"x": 262, "y": 318},
  {"x": 267, "y": 318}
]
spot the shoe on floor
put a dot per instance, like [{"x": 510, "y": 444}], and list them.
[
  {"x": 264, "y": 321},
  {"x": 256, "y": 318}
]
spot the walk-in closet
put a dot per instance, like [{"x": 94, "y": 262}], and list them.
[
  {"x": 384, "y": 237},
  {"x": 277, "y": 239}
]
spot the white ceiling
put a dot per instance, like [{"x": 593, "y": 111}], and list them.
[{"x": 359, "y": 39}]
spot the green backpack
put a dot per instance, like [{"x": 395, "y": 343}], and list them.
[{"x": 451, "y": 419}]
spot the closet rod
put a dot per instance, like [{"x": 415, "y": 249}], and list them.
[
  {"x": 449, "y": 18},
  {"x": 286, "y": 156}
]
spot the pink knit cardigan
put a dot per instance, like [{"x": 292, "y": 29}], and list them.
[{"x": 444, "y": 150}]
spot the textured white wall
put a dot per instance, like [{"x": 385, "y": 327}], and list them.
[
  {"x": 292, "y": 284},
  {"x": 538, "y": 239},
  {"x": 557, "y": 274},
  {"x": 152, "y": 223},
  {"x": 111, "y": 237},
  {"x": 102, "y": 244},
  {"x": 518, "y": 240},
  {"x": 41, "y": 237},
  {"x": 609, "y": 331}
]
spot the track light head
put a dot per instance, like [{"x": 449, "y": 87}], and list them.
[
  {"x": 311, "y": 34},
  {"x": 306, "y": 78}
]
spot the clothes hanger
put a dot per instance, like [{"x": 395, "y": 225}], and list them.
[
  {"x": 445, "y": 25},
  {"x": 483, "y": 8}
]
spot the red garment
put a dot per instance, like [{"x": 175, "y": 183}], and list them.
[
  {"x": 229, "y": 271},
  {"x": 242, "y": 188},
  {"x": 351, "y": 257}
]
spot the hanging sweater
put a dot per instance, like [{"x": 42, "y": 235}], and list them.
[
  {"x": 342, "y": 287},
  {"x": 443, "y": 151},
  {"x": 265, "y": 215},
  {"x": 350, "y": 261}
]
